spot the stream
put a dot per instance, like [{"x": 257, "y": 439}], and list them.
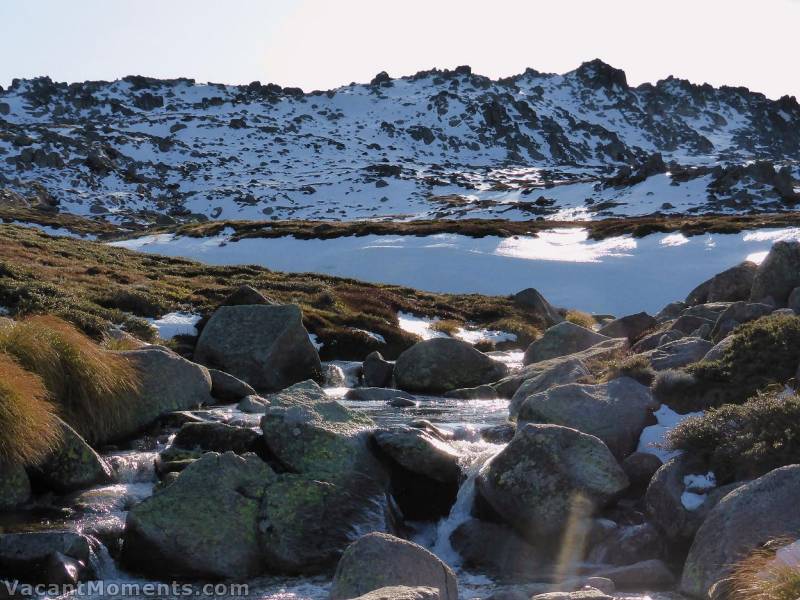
[{"x": 100, "y": 512}]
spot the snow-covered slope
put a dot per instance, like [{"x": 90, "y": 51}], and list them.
[{"x": 436, "y": 144}]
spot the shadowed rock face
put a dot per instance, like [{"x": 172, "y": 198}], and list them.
[
  {"x": 266, "y": 346},
  {"x": 753, "y": 514}
]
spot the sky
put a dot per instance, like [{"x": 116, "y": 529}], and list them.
[{"x": 321, "y": 44}]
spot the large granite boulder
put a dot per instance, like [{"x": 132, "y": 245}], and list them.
[
  {"x": 168, "y": 383},
  {"x": 551, "y": 373},
  {"x": 678, "y": 353},
  {"x": 443, "y": 364},
  {"x": 548, "y": 475},
  {"x": 616, "y": 411},
  {"x": 378, "y": 560},
  {"x": 45, "y": 557},
  {"x": 266, "y": 346},
  {"x": 420, "y": 452},
  {"x": 731, "y": 285},
  {"x": 560, "y": 340},
  {"x": 755, "y": 513}
]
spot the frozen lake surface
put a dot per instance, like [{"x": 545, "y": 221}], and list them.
[{"x": 617, "y": 275}]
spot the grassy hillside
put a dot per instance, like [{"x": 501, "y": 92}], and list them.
[{"x": 92, "y": 285}]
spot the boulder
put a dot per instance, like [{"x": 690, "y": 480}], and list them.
[
  {"x": 481, "y": 392},
  {"x": 664, "y": 499},
  {"x": 719, "y": 349},
  {"x": 731, "y": 285},
  {"x": 377, "y": 372},
  {"x": 185, "y": 529},
  {"x": 335, "y": 485},
  {"x": 35, "y": 557},
  {"x": 688, "y": 324},
  {"x": 216, "y": 437},
  {"x": 420, "y": 452},
  {"x": 168, "y": 383},
  {"x": 629, "y": 544},
  {"x": 509, "y": 385},
  {"x": 548, "y": 475},
  {"x": 616, "y": 412},
  {"x": 228, "y": 388},
  {"x": 640, "y": 468},
  {"x": 369, "y": 394},
  {"x": 670, "y": 311},
  {"x": 793, "y": 302},
  {"x": 550, "y": 373},
  {"x": 15, "y": 487},
  {"x": 679, "y": 353},
  {"x": 402, "y": 592},
  {"x": 630, "y": 326},
  {"x": 253, "y": 404},
  {"x": 587, "y": 593},
  {"x": 378, "y": 560},
  {"x": 442, "y": 364},
  {"x": 498, "y": 549},
  {"x": 245, "y": 295},
  {"x": 532, "y": 301},
  {"x": 651, "y": 574},
  {"x": 304, "y": 393},
  {"x": 72, "y": 466},
  {"x": 757, "y": 512},
  {"x": 265, "y": 345},
  {"x": 736, "y": 314},
  {"x": 560, "y": 340},
  {"x": 778, "y": 274}
]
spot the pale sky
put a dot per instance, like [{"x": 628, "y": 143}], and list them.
[{"x": 319, "y": 44}]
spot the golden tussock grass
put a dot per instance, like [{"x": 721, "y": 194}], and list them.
[
  {"x": 91, "y": 387},
  {"x": 29, "y": 429},
  {"x": 760, "y": 577}
]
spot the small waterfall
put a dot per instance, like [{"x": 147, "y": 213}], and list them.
[
  {"x": 473, "y": 456},
  {"x": 133, "y": 467}
]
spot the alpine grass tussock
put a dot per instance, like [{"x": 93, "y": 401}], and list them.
[
  {"x": 29, "y": 429},
  {"x": 90, "y": 386},
  {"x": 763, "y": 576}
]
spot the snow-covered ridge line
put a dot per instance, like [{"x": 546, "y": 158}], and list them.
[{"x": 439, "y": 144}]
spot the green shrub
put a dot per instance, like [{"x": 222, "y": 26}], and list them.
[
  {"x": 742, "y": 441},
  {"x": 90, "y": 386},
  {"x": 763, "y": 352},
  {"x": 138, "y": 302},
  {"x": 29, "y": 429}
]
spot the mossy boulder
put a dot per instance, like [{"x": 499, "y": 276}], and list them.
[
  {"x": 547, "y": 477},
  {"x": 305, "y": 523},
  {"x": 73, "y": 465},
  {"x": 335, "y": 487},
  {"x": 443, "y": 364},
  {"x": 378, "y": 560},
  {"x": 420, "y": 452},
  {"x": 204, "y": 524}
]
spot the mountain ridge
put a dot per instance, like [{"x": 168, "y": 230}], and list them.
[{"x": 436, "y": 144}]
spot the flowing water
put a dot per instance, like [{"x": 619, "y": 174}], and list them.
[{"x": 100, "y": 512}]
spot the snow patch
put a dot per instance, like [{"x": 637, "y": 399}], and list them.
[
  {"x": 653, "y": 437},
  {"x": 475, "y": 336},
  {"x": 421, "y": 326},
  {"x": 696, "y": 488},
  {"x": 175, "y": 323}
]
